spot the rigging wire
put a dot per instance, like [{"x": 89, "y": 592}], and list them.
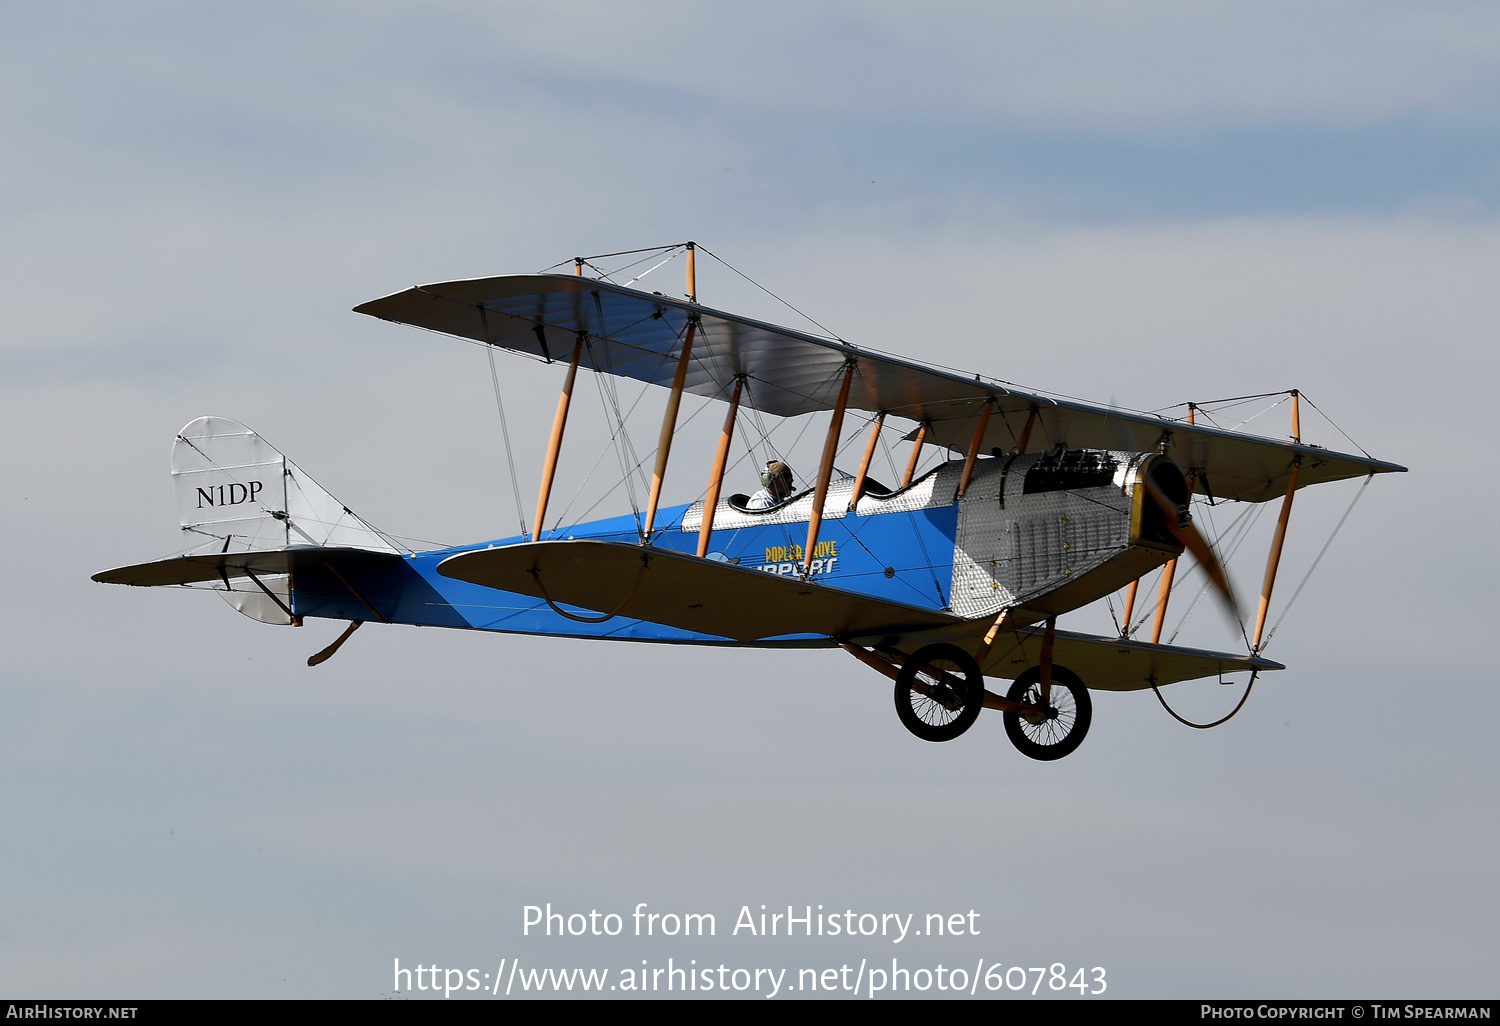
[
  {"x": 826, "y": 330},
  {"x": 890, "y": 457},
  {"x": 609, "y": 398},
  {"x": 1233, "y": 400},
  {"x": 1315, "y": 562},
  {"x": 510, "y": 459},
  {"x": 626, "y": 444},
  {"x": 1243, "y": 522},
  {"x": 1335, "y": 426},
  {"x": 637, "y": 468},
  {"x": 648, "y": 270},
  {"x": 606, "y": 256},
  {"x": 612, "y": 442},
  {"x": 1255, "y": 674}
]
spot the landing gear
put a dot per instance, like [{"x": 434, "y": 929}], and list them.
[
  {"x": 939, "y": 692},
  {"x": 1054, "y": 730}
]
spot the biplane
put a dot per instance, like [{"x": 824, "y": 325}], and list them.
[{"x": 940, "y": 581}]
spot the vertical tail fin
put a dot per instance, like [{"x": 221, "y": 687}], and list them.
[{"x": 237, "y": 493}]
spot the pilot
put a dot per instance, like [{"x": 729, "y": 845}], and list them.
[{"x": 778, "y": 485}]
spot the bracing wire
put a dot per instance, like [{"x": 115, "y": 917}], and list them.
[
  {"x": 673, "y": 256},
  {"x": 1110, "y": 601},
  {"x": 1227, "y": 544},
  {"x": 510, "y": 459},
  {"x": 830, "y": 333},
  {"x": 638, "y": 467},
  {"x": 1315, "y": 562},
  {"x": 1335, "y": 426}
]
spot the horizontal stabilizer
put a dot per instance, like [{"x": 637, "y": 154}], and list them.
[
  {"x": 684, "y": 591},
  {"x": 1115, "y": 664},
  {"x": 220, "y": 566}
]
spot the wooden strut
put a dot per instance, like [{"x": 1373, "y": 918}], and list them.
[
  {"x": 1025, "y": 438},
  {"x": 884, "y": 661},
  {"x": 1273, "y": 561},
  {"x": 992, "y": 700},
  {"x": 716, "y": 475},
  {"x": 1048, "y": 639},
  {"x": 1169, "y": 572},
  {"x": 864, "y": 464},
  {"x": 554, "y": 444},
  {"x": 1163, "y": 593},
  {"x": 916, "y": 453},
  {"x": 296, "y": 620},
  {"x": 973, "y": 454},
  {"x": 825, "y": 469},
  {"x": 355, "y": 592},
  {"x": 692, "y": 272},
  {"x": 1129, "y": 607},
  {"x": 871, "y": 660},
  {"x": 668, "y": 429}
]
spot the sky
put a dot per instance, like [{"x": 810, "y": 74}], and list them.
[{"x": 1137, "y": 203}]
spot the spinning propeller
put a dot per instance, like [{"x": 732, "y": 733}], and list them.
[{"x": 1179, "y": 523}]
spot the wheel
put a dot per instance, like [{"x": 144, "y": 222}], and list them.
[
  {"x": 1061, "y": 728},
  {"x": 939, "y": 692}
]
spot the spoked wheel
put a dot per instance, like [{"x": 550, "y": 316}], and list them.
[
  {"x": 939, "y": 692},
  {"x": 1056, "y": 730}
]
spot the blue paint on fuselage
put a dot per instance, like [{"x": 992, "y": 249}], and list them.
[{"x": 904, "y": 557}]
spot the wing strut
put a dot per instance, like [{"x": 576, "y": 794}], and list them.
[
  {"x": 916, "y": 454},
  {"x": 554, "y": 444},
  {"x": 864, "y": 464},
  {"x": 1135, "y": 586},
  {"x": 1025, "y": 438},
  {"x": 1273, "y": 561},
  {"x": 669, "y": 426},
  {"x": 825, "y": 470},
  {"x": 973, "y": 453},
  {"x": 1169, "y": 572},
  {"x": 716, "y": 475},
  {"x": 1163, "y": 595}
]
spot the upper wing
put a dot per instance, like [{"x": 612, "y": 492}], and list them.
[
  {"x": 637, "y": 335},
  {"x": 684, "y": 591}
]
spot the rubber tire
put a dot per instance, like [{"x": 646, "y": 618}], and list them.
[
  {"x": 969, "y": 690},
  {"x": 1044, "y": 742}
]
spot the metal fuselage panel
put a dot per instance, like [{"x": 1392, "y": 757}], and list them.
[{"x": 1024, "y": 537}]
